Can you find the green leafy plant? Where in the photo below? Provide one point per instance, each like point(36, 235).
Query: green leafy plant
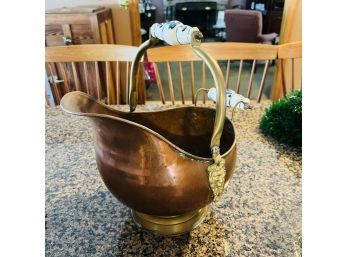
point(283, 120)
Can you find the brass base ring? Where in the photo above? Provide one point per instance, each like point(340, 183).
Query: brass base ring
point(171, 225)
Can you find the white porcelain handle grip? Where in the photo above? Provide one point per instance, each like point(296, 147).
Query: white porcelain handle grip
point(176, 33)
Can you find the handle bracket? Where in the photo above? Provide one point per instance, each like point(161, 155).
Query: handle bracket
point(54, 79)
point(67, 41)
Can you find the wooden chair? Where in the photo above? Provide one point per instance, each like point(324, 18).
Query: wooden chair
point(95, 69)
point(173, 58)
point(100, 70)
point(289, 62)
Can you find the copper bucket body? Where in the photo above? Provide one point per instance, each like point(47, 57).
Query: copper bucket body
point(155, 162)
point(167, 165)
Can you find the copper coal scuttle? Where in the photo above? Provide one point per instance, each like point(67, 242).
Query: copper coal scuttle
point(167, 172)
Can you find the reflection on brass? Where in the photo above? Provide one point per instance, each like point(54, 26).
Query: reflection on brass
point(172, 225)
point(166, 165)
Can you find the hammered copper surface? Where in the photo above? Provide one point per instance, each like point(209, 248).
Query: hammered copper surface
point(155, 162)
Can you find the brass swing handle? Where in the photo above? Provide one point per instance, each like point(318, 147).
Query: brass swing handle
point(175, 33)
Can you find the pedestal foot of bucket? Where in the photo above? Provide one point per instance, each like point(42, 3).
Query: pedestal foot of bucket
point(171, 225)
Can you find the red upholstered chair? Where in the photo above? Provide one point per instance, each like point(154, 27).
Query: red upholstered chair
point(246, 26)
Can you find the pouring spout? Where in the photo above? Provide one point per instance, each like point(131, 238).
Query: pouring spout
point(82, 104)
